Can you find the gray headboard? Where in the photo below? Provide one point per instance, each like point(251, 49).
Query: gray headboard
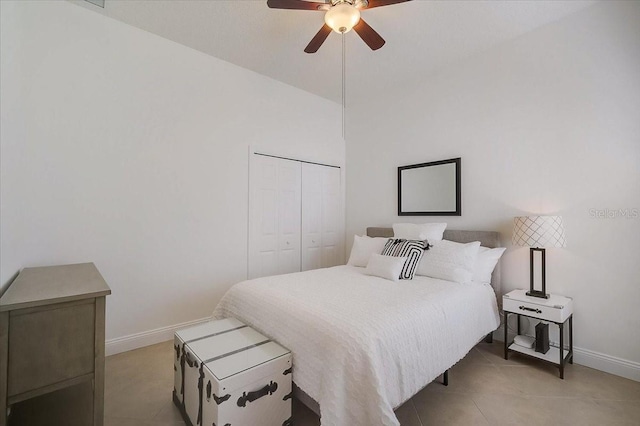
point(489, 239)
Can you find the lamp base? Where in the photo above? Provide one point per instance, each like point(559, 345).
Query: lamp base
point(538, 293)
point(532, 291)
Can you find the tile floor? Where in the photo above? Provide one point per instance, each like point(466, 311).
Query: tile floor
point(484, 389)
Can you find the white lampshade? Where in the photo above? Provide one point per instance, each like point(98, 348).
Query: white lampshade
point(539, 231)
point(342, 17)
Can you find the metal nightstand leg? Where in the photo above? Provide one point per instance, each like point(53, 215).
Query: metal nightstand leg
point(506, 345)
point(561, 366)
point(571, 339)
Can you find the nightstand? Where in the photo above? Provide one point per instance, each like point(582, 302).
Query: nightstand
point(556, 309)
point(52, 338)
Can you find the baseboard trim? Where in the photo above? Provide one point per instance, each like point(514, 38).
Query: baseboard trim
point(146, 338)
point(607, 363)
point(596, 360)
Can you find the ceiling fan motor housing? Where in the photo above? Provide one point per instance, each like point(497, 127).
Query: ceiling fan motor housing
point(342, 17)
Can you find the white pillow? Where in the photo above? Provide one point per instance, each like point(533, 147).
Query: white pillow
point(485, 263)
point(449, 261)
point(387, 267)
point(424, 231)
point(363, 248)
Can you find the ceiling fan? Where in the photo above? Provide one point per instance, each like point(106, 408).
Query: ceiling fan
point(341, 16)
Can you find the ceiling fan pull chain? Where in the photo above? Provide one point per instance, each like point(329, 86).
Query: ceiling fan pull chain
point(344, 78)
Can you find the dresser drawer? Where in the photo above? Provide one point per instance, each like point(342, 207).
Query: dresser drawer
point(47, 346)
point(557, 313)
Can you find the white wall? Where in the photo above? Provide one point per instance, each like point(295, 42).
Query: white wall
point(131, 151)
point(546, 124)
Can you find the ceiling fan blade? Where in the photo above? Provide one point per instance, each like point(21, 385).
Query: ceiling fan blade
point(318, 39)
point(295, 4)
point(378, 3)
point(369, 35)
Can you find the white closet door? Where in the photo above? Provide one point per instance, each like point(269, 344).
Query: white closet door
point(274, 216)
point(322, 217)
point(312, 177)
point(332, 218)
point(289, 187)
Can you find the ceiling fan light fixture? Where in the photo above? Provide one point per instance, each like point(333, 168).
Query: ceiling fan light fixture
point(342, 17)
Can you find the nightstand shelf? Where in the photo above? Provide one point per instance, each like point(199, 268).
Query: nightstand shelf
point(552, 356)
point(557, 310)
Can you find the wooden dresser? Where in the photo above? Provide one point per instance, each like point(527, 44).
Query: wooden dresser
point(52, 335)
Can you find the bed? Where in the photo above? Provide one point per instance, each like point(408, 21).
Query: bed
point(363, 345)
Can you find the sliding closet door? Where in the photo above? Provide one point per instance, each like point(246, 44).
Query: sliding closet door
point(289, 187)
point(332, 218)
point(311, 216)
point(322, 217)
point(274, 212)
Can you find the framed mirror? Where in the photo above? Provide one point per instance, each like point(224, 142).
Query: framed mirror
point(430, 189)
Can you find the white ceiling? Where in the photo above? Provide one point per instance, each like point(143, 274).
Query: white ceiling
point(421, 36)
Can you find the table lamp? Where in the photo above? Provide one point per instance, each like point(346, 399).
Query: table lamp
point(538, 233)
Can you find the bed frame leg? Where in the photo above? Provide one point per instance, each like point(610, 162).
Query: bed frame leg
point(489, 338)
point(445, 378)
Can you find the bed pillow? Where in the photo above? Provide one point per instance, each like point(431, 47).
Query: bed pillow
point(387, 267)
point(451, 261)
point(424, 231)
point(363, 248)
point(485, 263)
point(412, 250)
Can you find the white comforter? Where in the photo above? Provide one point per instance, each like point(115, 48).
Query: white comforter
point(363, 345)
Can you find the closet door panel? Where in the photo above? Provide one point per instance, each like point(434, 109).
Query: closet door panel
point(274, 216)
point(289, 215)
point(267, 244)
point(311, 216)
point(263, 232)
point(332, 218)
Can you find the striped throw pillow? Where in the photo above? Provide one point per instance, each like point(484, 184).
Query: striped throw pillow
point(411, 249)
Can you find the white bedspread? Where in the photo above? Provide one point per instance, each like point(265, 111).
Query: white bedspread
point(363, 345)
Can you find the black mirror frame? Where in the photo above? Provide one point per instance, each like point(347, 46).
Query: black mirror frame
point(458, 210)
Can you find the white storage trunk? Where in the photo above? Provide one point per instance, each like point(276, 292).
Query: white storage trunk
point(226, 373)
